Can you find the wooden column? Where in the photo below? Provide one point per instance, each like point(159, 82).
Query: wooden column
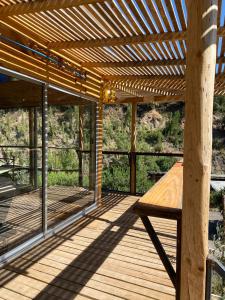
point(99, 144)
point(133, 149)
point(200, 75)
point(81, 143)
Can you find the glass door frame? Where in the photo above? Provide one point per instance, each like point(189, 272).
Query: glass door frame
point(47, 232)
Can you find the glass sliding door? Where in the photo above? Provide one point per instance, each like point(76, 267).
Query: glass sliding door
point(20, 161)
point(47, 160)
point(71, 155)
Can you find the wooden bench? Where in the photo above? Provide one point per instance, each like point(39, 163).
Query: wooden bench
point(164, 200)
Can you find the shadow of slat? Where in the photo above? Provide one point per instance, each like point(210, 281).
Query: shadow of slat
point(94, 259)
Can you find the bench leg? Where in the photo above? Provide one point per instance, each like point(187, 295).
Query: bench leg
point(178, 259)
point(159, 248)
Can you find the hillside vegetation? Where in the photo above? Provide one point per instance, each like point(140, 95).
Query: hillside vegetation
point(159, 129)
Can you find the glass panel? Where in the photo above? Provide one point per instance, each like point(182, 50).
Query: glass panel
point(71, 157)
point(20, 161)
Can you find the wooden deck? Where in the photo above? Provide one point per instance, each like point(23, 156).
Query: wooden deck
point(25, 212)
point(106, 255)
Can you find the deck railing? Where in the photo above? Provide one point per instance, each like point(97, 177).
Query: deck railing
point(131, 184)
point(130, 163)
point(133, 167)
point(32, 166)
point(26, 167)
point(9, 161)
point(214, 266)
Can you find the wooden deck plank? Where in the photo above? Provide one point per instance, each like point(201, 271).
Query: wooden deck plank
point(7, 294)
point(24, 215)
point(105, 255)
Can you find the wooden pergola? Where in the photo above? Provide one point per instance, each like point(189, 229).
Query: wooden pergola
point(133, 52)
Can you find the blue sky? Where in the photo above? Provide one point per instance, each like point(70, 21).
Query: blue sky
point(151, 30)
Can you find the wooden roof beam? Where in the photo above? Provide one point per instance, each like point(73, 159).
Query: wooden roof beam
point(146, 63)
point(178, 92)
point(148, 87)
point(155, 81)
point(219, 78)
point(42, 5)
point(144, 77)
point(143, 92)
point(169, 98)
point(117, 41)
point(150, 99)
point(125, 64)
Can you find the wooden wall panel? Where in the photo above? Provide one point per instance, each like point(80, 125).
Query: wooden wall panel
point(22, 62)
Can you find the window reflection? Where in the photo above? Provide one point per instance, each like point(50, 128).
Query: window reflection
point(71, 156)
point(71, 159)
point(20, 161)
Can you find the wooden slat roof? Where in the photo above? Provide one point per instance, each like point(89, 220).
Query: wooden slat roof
point(137, 45)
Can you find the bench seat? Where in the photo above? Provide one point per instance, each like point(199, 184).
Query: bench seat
point(164, 199)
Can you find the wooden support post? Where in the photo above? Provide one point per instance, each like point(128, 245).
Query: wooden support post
point(81, 143)
point(99, 144)
point(133, 150)
point(200, 77)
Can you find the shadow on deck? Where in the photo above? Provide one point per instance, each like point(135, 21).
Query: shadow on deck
point(21, 215)
point(105, 255)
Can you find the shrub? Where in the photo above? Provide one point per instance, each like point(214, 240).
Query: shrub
point(165, 163)
point(116, 174)
point(154, 137)
point(173, 130)
point(217, 144)
point(223, 122)
point(216, 199)
point(219, 104)
point(62, 178)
